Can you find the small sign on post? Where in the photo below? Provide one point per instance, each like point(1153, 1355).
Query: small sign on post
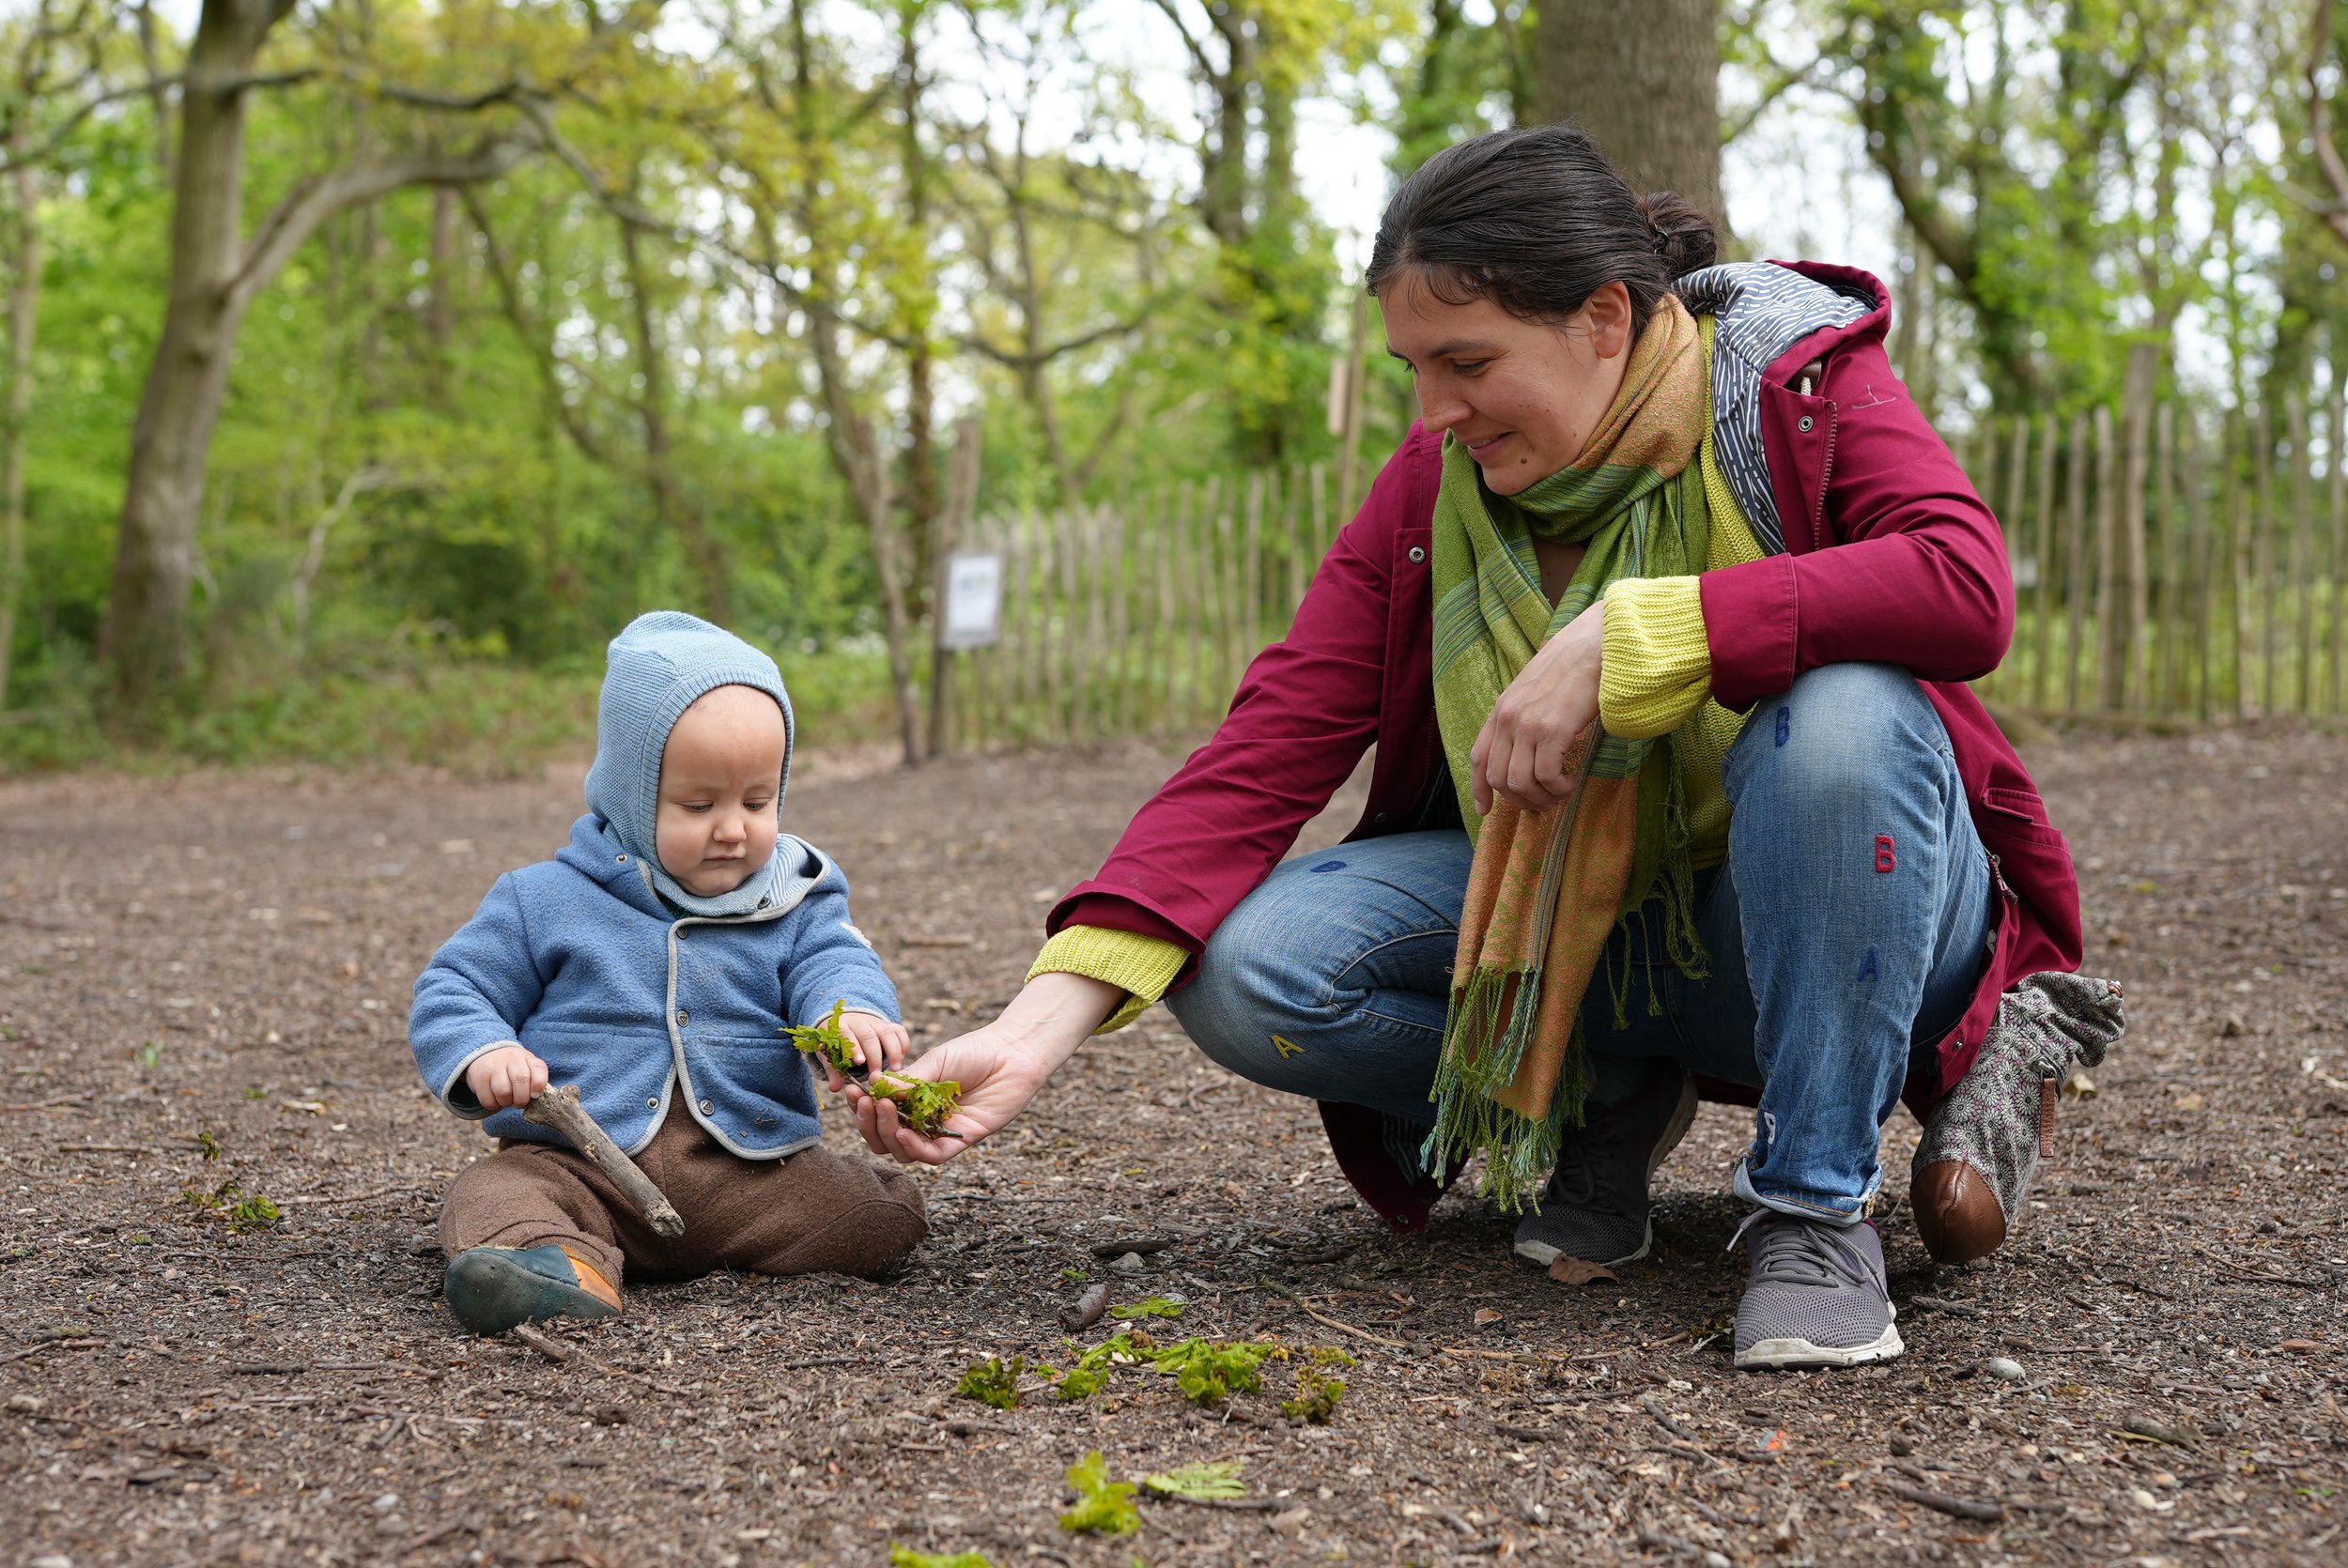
point(974, 600)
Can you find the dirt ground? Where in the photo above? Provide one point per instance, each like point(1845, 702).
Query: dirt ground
point(205, 981)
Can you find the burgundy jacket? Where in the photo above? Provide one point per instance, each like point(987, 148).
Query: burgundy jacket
point(1891, 557)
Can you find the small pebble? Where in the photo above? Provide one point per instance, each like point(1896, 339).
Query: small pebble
point(385, 1503)
point(1714, 1560)
point(1129, 1263)
point(53, 1560)
point(2004, 1369)
point(1902, 1447)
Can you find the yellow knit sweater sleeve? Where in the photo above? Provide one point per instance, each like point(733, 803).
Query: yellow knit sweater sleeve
point(1658, 667)
point(1143, 965)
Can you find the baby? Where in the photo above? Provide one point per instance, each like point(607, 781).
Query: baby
point(655, 963)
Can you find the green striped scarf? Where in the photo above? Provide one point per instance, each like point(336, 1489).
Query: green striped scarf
point(1549, 887)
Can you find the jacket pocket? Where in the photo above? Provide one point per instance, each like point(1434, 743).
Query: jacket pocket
point(2016, 815)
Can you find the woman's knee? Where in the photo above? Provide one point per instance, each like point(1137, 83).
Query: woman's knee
point(1840, 738)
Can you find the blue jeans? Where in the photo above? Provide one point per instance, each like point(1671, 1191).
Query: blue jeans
point(1850, 843)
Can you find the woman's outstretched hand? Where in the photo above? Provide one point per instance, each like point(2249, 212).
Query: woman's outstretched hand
point(998, 1065)
point(1520, 755)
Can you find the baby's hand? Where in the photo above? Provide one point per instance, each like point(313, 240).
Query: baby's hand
point(880, 1045)
point(507, 1076)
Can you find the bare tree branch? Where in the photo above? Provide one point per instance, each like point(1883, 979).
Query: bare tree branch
point(2319, 123)
point(315, 199)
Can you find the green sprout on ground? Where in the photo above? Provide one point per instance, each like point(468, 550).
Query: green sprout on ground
point(1104, 1507)
point(827, 1039)
point(993, 1381)
point(1211, 1370)
point(1316, 1392)
point(923, 1105)
point(905, 1557)
point(148, 1053)
point(1216, 1479)
point(1156, 1306)
point(207, 1145)
point(244, 1211)
point(1093, 1367)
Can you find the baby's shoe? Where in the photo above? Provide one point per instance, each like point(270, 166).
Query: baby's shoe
point(1983, 1143)
point(490, 1289)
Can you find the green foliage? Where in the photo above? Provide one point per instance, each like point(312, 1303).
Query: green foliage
point(1091, 1371)
point(1218, 1478)
point(827, 1040)
point(208, 1145)
point(147, 1054)
point(242, 1212)
point(993, 1381)
point(923, 1105)
point(1104, 1507)
point(1156, 1306)
point(1208, 1371)
point(905, 1557)
point(1317, 1396)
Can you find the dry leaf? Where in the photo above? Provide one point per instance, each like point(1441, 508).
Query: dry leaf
point(1572, 1271)
point(1484, 1315)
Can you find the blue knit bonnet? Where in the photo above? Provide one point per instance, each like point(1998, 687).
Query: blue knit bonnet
point(658, 667)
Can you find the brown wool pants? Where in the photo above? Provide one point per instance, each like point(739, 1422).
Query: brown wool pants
point(809, 1212)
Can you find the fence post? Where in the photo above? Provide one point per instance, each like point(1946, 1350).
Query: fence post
point(2164, 618)
point(2302, 547)
point(2042, 630)
point(2127, 636)
point(2263, 555)
point(2339, 543)
point(2199, 567)
point(2075, 562)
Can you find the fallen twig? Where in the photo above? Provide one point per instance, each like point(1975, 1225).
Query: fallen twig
point(1955, 1309)
point(1654, 1407)
point(560, 1109)
point(1326, 1320)
point(1958, 1508)
point(2159, 1432)
point(1230, 1505)
point(542, 1342)
point(355, 1197)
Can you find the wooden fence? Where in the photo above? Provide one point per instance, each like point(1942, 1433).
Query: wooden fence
point(2168, 562)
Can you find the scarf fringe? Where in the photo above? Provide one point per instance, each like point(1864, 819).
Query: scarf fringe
point(1518, 1151)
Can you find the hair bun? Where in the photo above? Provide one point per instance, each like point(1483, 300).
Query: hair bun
point(1680, 232)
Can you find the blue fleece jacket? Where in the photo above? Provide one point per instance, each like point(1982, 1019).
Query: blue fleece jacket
point(580, 961)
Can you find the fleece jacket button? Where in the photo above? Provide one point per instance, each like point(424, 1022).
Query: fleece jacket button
point(683, 1017)
point(652, 1104)
point(1804, 424)
point(1417, 554)
point(707, 1107)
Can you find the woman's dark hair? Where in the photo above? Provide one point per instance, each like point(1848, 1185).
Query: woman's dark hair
point(1534, 219)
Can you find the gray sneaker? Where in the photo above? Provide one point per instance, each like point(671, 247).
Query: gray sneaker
point(1595, 1205)
point(1815, 1295)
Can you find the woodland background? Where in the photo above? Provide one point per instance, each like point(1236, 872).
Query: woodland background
point(369, 362)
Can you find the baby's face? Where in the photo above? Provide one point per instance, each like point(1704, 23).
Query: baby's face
point(721, 777)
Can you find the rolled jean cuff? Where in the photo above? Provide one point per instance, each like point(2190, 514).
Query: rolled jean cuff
point(1842, 1212)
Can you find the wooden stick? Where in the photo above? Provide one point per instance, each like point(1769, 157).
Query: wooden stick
point(1326, 1320)
point(560, 1109)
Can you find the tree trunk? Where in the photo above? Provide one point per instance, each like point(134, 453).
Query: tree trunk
point(1645, 83)
point(144, 638)
point(857, 450)
point(675, 510)
point(24, 308)
point(215, 275)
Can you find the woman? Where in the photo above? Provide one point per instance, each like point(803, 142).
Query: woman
point(1658, 621)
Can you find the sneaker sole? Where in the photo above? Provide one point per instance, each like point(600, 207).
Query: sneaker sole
point(1545, 1254)
point(1782, 1353)
point(1683, 1117)
point(488, 1293)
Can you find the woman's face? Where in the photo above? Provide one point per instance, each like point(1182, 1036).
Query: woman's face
point(1521, 396)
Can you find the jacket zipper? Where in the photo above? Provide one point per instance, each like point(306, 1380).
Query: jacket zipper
point(1825, 477)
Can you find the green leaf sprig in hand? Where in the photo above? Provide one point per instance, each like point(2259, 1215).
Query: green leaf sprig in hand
point(923, 1105)
point(827, 1041)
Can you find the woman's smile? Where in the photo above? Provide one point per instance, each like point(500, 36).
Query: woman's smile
point(1483, 447)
